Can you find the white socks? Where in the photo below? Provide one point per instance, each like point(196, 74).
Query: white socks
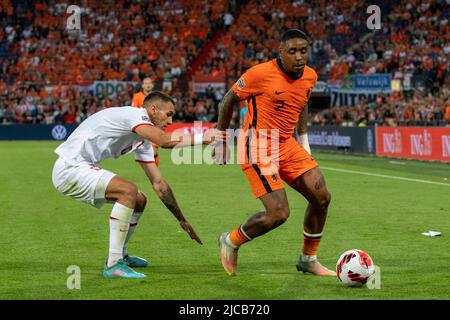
point(305, 258)
point(119, 224)
point(133, 224)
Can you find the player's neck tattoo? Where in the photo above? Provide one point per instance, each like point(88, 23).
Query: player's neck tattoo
point(291, 75)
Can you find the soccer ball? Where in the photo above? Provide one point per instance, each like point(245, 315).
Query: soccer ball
point(354, 268)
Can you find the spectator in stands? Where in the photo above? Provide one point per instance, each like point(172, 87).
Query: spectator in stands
point(447, 112)
point(146, 88)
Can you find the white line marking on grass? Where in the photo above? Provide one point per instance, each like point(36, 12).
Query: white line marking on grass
point(397, 162)
point(386, 176)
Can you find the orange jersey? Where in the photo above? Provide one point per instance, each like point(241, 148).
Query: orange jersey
point(138, 100)
point(275, 100)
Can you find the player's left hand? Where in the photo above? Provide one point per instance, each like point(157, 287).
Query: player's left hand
point(190, 231)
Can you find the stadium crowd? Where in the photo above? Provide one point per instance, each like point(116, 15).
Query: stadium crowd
point(390, 110)
point(332, 26)
point(413, 43)
point(43, 66)
point(118, 40)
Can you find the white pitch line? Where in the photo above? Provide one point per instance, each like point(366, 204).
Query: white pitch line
point(398, 162)
point(385, 176)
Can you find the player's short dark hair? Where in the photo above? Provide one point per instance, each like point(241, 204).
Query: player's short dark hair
point(294, 34)
point(158, 95)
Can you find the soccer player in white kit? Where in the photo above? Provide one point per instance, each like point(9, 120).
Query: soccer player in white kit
point(111, 133)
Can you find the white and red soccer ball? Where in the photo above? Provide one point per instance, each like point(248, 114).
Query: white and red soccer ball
point(354, 268)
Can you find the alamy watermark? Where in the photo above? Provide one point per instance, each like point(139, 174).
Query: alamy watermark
point(73, 23)
point(74, 278)
point(373, 22)
point(374, 281)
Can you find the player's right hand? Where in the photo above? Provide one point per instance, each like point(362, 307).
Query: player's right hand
point(190, 231)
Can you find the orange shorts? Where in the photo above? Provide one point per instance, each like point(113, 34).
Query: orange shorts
point(293, 161)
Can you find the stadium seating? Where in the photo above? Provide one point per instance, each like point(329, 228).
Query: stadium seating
point(172, 40)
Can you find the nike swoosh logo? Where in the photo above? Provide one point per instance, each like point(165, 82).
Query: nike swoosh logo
point(123, 230)
point(279, 92)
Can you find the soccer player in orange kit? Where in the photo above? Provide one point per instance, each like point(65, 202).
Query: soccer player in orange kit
point(138, 98)
point(277, 92)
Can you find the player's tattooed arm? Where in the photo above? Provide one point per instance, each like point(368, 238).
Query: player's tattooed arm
point(226, 109)
point(165, 193)
point(162, 189)
point(168, 198)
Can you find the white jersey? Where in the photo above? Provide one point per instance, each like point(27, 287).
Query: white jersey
point(108, 134)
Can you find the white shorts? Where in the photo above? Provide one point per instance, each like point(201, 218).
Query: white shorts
point(83, 182)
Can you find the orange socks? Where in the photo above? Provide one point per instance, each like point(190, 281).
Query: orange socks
point(238, 237)
point(310, 243)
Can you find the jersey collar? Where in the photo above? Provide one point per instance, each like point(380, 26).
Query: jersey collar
point(145, 114)
point(291, 75)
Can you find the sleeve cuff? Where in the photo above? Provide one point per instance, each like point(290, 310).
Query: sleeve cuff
point(140, 124)
point(142, 161)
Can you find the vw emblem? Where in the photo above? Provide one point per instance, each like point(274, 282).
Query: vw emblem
point(59, 132)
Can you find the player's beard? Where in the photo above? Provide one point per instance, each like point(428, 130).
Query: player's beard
point(158, 123)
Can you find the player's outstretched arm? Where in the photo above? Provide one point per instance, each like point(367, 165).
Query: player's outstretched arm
point(164, 192)
point(174, 140)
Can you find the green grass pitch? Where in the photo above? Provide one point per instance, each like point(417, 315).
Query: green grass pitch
point(44, 232)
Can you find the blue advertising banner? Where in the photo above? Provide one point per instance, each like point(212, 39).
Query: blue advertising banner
point(380, 82)
point(348, 139)
point(36, 131)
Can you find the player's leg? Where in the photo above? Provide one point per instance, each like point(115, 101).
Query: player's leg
point(269, 189)
point(301, 172)
point(134, 261)
point(312, 186)
point(125, 195)
point(276, 213)
point(94, 186)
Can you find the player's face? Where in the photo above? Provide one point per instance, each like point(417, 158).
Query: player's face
point(294, 54)
point(161, 114)
point(147, 85)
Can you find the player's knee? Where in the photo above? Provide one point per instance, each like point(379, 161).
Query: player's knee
point(141, 202)
point(130, 192)
point(324, 200)
point(280, 215)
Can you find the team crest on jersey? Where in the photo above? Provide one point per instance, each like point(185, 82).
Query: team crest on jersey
point(240, 83)
point(145, 118)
